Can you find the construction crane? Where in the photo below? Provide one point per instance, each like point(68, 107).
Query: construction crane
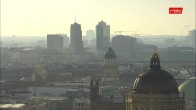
point(119, 32)
point(142, 34)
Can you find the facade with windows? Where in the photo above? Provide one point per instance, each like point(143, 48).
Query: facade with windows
point(110, 66)
point(81, 104)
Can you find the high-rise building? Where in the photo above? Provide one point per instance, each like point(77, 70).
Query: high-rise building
point(76, 44)
point(191, 39)
point(90, 34)
point(102, 36)
point(55, 41)
point(65, 41)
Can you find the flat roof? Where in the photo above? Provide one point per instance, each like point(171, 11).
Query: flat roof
point(11, 105)
point(17, 105)
point(6, 105)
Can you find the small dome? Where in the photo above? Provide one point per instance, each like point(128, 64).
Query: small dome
point(155, 80)
point(110, 54)
point(188, 87)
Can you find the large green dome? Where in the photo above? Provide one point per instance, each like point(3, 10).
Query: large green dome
point(188, 87)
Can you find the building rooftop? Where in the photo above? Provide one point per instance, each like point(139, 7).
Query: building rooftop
point(50, 98)
point(6, 106)
point(17, 105)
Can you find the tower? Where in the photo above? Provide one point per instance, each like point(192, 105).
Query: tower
point(94, 94)
point(76, 44)
point(110, 66)
point(102, 36)
point(155, 89)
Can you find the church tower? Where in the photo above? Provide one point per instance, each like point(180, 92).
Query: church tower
point(110, 66)
point(94, 94)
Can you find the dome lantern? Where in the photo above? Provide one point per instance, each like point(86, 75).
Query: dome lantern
point(155, 80)
point(155, 61)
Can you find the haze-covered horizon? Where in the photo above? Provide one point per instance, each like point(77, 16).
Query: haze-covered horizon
point(111, 36)
point(39, 18)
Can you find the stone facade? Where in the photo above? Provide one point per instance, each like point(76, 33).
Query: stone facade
point(110, 66)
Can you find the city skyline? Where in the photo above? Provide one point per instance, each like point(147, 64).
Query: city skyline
point(32, 18)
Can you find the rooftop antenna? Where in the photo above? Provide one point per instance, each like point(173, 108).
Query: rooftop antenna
point(75, 19)
point(155, 50)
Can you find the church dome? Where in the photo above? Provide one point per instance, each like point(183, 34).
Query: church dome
point(110, 54)
point(155, 80)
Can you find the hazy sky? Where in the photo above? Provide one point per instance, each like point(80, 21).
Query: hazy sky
point(41, 17)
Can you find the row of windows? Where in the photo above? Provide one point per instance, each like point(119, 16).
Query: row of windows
point(158, 100)
point(81, 109)
point(81, 104)
point(160, 108)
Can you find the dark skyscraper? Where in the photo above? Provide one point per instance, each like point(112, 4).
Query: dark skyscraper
point(55, 41)
point(76, 44)
point(102, 36)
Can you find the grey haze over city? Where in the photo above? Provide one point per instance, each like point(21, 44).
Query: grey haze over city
point(97, 55)
point(98, 70)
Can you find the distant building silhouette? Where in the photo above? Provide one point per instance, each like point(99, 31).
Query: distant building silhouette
point(191, 39)
point(90, 34)
point(76, 44)
point(55, 41)
point(102, 36)
point(65, 41)
point(124, 46)
point(110, 66)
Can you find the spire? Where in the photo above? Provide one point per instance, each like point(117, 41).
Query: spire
point(110, 54)
point(75, 19)
point(155, 61)
point(91, 84)
point(97, 82)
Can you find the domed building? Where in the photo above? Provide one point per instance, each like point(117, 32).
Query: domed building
point(110, 66)
point(155, 89)
point(188, 88)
